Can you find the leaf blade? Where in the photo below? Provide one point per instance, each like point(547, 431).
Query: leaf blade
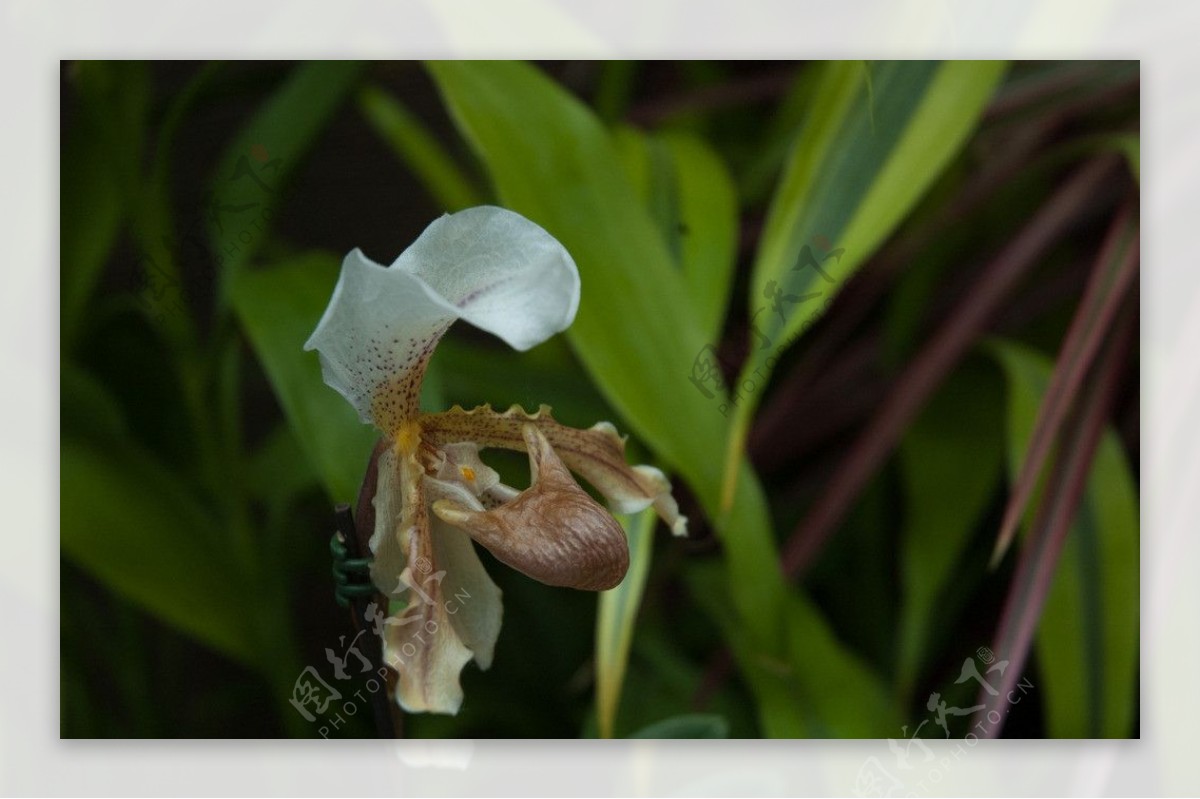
point(1087, 636)
point(278, 309)
point(692, 725)
point(616, 618)
point(131, 524)
point(263, 154)
point(944, 500)
point(1112, 275)
point(867, 152)
point(551, 160)
point(418, 149)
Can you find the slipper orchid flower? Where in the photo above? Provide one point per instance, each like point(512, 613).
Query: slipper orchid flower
point(434, 495)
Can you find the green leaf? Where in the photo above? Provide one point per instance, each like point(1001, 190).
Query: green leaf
point(1087, 639)
point(91, 211)
point(260, 158)
point(418, 150)
point(157, 237)
point(135, 527)
point(875, 139)
point(847, 698)
point(759, 175)
point(636, 332)
point(951, 460)
point(616, 619)
point(694, 725)
point(279, 469)
point(1114, 272)
point(615, 88)
point(690, 194)
point(115, 97)
point(474, 373)
point(1131, 145)
point(87, 409)
point(279, 308)
point(821, 689)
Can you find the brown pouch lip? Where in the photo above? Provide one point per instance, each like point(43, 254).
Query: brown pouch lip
point(553, 532)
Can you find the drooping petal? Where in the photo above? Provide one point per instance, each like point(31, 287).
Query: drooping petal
point(596, 454)
point(472, 600)
point(553, 532)
point(490, 266)
point(390, 555)
point(428, 656)
point(423, 643)
point(469, 597)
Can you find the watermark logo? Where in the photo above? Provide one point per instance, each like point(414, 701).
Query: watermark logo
point(328, 701)
point(705, 374)
point(157, 290)
point(915, 768)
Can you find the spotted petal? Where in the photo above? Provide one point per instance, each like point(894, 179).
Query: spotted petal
point(489, 266)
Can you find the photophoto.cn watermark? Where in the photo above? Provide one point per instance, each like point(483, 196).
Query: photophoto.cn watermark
point(914, 769)
point(160, 292)
point(328, 702)
point(706, 369)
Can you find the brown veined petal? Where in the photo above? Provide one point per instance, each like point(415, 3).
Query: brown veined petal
point(553, 532)
point(423, 647)
point(422, 643)
point(596, 454)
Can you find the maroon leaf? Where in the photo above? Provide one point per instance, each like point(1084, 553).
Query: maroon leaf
point(965, 325)
point(1039, 555)
point(1111, 277)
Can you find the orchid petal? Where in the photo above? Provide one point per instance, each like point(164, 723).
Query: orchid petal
point(390, 557)
point(498, 271)
point(470, 598)
point(453, 608)
point(424, 643)
point(428, 663)
point(596, 454)
point(489, 266)
point(461, 463)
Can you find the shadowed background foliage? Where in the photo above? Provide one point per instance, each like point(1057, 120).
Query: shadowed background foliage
point(877, 320)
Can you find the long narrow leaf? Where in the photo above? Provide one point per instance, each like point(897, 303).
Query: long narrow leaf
point(1109, 597)
point(279, 308)
point(951, 458)
point(819, 690)
point(877, 136)
point(937, 357)
point(91, 211)
point(258, 161)
point(1087, 636)
point(616, 619)
point(419, 150)
point(1112, 275)
point(636, 331)
point(690, 194)
point(136, 528)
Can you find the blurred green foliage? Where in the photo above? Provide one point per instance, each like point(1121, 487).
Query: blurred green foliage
point(205, 208)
